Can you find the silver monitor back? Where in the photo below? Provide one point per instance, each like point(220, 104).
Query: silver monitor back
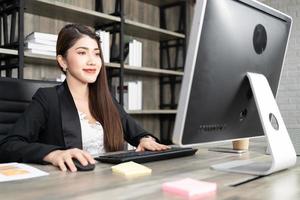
point(228, 39)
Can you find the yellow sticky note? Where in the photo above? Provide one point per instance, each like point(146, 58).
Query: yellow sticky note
point(131, 169)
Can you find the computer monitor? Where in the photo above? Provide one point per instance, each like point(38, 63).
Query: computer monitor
point(233, 65)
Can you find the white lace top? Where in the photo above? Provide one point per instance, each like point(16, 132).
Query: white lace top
point(92, 136)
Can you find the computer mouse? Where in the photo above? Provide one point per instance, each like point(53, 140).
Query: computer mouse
point(81, 167)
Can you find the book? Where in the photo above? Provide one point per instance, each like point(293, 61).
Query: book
point(61, 78)
point(41, 52)
point(131, 169)
point(41, 36)
point(189, 188)
point(130, 147)
point(105, 44)
point(42, 41)
point(140, 53)
point(37, 46)
point(135, 53)
point(139, 103)
point(125, 94)
point(131, 54)
point(18, 171)
point(132, 95)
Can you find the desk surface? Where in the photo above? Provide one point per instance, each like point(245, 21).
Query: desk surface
point(102, 184)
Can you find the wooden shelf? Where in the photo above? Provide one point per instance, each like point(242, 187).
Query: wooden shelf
point(70, 13)
point(138, 29)
point(152, 71)
point(50, 60)
point(161, 2)
point(146, 70)
point(151, 112)
point(39, 59)
point(8, 51)
point(67, 12)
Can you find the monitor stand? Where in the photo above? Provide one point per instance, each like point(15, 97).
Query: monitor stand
point(282, 151)
point(227, 150)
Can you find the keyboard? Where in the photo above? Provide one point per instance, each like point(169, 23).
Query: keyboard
point(146, 156)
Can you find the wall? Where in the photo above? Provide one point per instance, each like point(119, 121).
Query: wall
point(288, 96)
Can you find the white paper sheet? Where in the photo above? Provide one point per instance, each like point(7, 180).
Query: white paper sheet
point(18, 171)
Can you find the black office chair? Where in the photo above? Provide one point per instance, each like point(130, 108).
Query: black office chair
point(15, 96)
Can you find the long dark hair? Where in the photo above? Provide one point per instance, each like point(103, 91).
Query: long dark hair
point(101, 103)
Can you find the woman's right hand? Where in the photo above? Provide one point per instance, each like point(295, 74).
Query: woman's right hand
point(63, 158)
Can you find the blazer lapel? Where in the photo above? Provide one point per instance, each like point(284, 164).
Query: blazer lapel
point(69, 116)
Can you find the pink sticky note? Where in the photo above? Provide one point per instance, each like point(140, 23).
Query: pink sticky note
point(190, 188)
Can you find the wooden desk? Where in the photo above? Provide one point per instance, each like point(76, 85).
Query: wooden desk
point(102, 184)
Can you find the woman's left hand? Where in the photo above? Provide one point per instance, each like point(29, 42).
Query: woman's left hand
point(149, 143)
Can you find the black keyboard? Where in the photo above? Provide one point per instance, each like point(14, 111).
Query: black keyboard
point(146, 156)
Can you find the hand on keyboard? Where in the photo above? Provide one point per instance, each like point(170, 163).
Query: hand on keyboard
point(149, 143)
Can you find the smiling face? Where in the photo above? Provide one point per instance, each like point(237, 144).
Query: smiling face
point(82, 61)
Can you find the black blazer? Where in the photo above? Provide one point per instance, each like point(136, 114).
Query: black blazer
point(51, 122)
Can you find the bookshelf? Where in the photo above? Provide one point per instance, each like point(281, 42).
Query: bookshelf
point(149, 32)
point(57, 13)
point(45, 59)
point(92, 18)
point(161, 2)
point(68, 12)
point(8, 51)
point(151, 112)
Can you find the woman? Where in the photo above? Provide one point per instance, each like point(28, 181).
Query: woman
point(77, 119)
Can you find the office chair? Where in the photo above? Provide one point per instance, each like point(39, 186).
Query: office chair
point(15, 96)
